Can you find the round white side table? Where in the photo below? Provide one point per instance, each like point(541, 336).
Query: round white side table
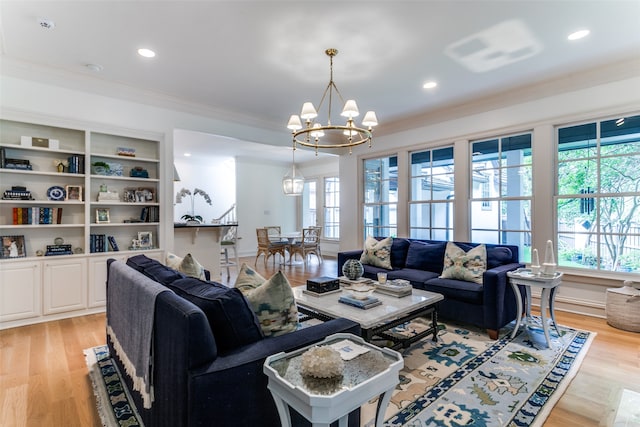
point(548, 284)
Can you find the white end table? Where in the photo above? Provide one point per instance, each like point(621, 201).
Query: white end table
point(548, 284)
point(323, 401)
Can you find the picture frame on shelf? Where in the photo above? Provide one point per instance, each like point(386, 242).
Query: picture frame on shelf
point(73, 192)
point(129, 195)
point(13, 247)
point(146, 239)
point(102, 216)
point(145, 195)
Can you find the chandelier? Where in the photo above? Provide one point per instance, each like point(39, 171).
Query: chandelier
point(316, 135)
point(293, 181)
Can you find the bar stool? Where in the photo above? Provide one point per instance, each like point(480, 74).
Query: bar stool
point(229, 241)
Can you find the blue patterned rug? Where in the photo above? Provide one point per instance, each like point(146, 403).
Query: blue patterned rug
point(465, 379)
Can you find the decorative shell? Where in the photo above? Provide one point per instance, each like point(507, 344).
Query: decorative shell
point(321, 362)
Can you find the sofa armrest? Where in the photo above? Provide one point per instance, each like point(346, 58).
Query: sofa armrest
point(344, 256)
point(218, 389)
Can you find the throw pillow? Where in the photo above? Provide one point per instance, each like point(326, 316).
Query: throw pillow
point(377, 253)
point(468, 266)
point(274, 305)
point(230, 316)
point(426, 256)
point(187, 265)
point(248, 278)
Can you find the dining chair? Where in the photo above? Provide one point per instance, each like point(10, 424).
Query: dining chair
point(308, 244)
point(267, 247)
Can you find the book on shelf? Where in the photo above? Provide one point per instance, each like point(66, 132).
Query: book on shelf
point(364, 304)
point(36, 215)
point(113, 244)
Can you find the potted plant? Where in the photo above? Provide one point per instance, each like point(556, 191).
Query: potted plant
point(192, 218)
point(100, 168)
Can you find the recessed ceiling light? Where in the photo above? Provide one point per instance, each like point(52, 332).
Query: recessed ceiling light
point(187, 154)
point(96, 68)
point(47, 24)
point(430, 85)
point(147, 53)
point(578, 35)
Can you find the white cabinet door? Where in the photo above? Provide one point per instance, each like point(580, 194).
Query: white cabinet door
point(98, 279)
point(20, 290)
point(65, 285)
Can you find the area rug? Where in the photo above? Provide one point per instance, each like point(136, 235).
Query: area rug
point(466, 379)
point(115, 405)
point(463, 379)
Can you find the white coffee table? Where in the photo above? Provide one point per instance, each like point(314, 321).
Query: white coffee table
point(548, 284)
point(392, 312)
point(322, 401)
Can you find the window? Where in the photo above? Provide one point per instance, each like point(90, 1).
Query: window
point(501, 192)
point(431, 202)
point(309, 212)
point(381, 196)
point(598, 195)
point(332, 208)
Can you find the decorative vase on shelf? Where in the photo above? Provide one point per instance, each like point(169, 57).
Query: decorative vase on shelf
point(352, 269)
point(60, 167)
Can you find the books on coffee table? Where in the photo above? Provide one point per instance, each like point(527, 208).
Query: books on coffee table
point(395, 288)
point(364, 304)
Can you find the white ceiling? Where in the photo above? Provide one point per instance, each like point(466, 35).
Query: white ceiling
point(258, 61)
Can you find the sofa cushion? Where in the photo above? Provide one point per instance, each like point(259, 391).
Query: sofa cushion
point(230, 316)
point(377, 253)
point(426, 256)
point(456, 290)
point(416, 277)
point(464, 265)
point(272, 300)
point(399, 249)
point(187, 265)
point(498, 255)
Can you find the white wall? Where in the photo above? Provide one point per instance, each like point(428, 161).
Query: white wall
point(578, 293)
point(261, 201)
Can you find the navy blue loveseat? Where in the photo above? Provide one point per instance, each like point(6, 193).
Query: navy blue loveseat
point(489, 305)
point(204, 374)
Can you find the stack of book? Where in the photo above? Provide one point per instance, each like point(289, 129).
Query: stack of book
point(364, 304)
point(17, 193)
point(397, 288)
point(58, 250)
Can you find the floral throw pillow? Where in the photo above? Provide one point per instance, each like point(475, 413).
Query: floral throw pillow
point(461, 265)
point(377, 253)
point(271, 300)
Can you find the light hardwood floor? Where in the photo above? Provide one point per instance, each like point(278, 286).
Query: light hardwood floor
point(44, 381)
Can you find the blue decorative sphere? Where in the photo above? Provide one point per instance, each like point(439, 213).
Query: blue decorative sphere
point(352, 269)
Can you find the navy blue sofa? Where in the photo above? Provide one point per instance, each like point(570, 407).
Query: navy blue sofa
point(198, 379)
point(489, 305)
